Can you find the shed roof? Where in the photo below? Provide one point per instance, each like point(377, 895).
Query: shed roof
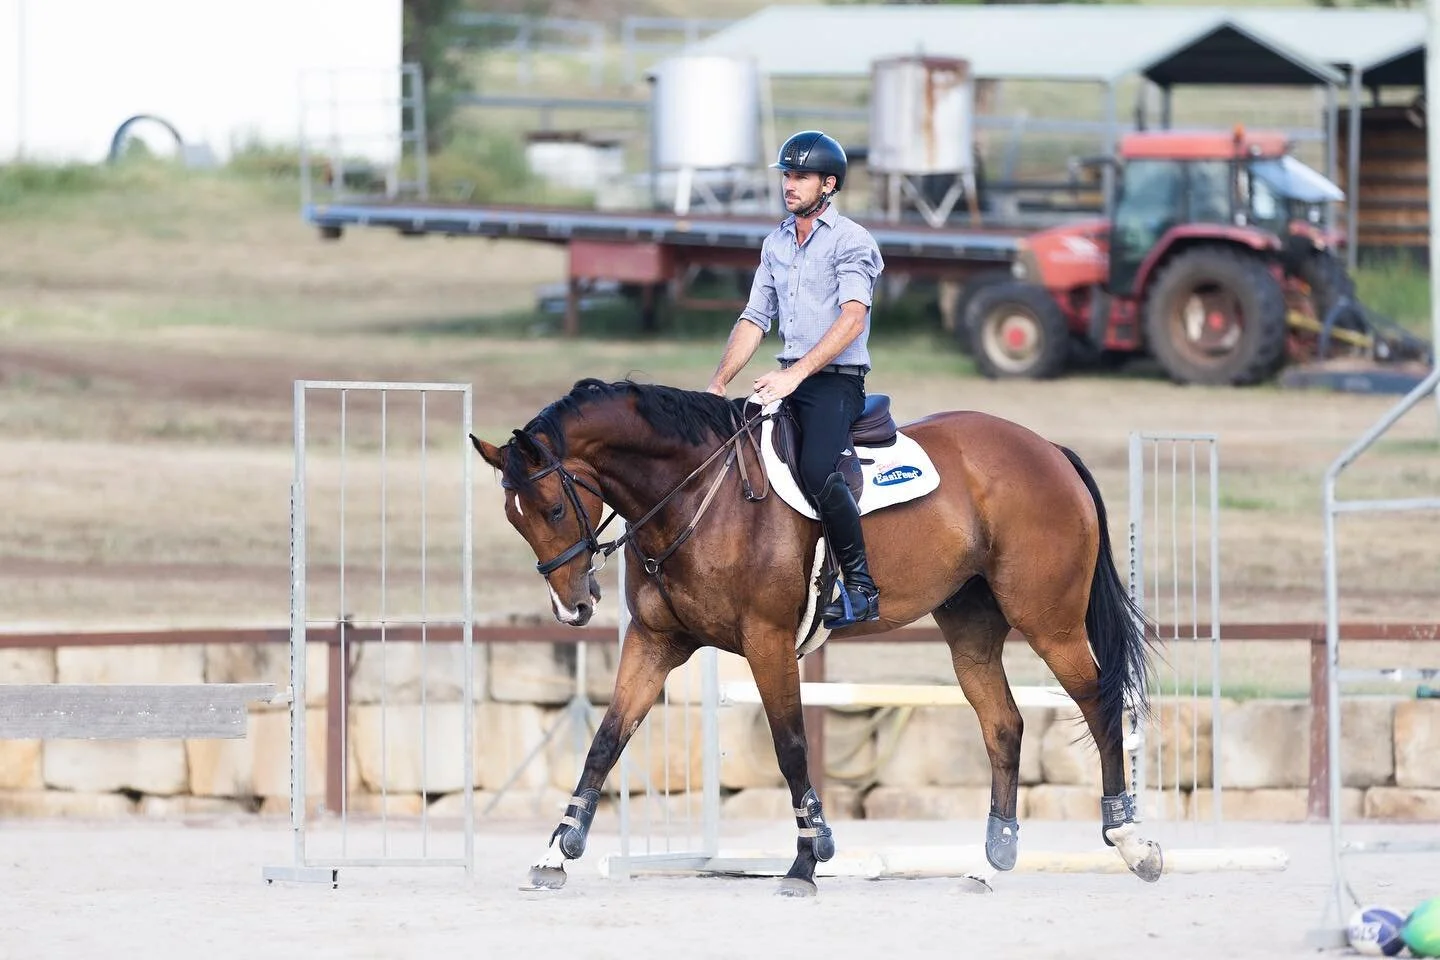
point(1067, 43)
point(1344, 38)
point(1232, 52)
point(1202, 44)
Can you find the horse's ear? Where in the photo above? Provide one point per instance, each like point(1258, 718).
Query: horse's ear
point(488, 451)
point(528, 446)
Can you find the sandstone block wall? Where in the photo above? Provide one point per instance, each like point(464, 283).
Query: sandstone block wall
point(927, 762)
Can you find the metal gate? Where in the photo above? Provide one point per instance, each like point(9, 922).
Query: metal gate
point(389, 610)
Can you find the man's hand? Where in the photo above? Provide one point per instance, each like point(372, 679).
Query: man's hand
point(716, 387)
point(777, 384)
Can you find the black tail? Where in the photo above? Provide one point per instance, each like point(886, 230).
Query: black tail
point(1116, 625)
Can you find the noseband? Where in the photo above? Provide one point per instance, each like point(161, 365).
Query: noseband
point(591, 540)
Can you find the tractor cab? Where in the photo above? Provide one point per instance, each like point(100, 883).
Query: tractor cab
point(1197, 181)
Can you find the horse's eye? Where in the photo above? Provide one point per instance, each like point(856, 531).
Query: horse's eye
point(556, 512)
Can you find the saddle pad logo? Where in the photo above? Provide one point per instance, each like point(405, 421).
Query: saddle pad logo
point(894, 475)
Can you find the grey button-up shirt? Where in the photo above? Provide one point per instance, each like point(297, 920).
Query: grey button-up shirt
point(802, 287)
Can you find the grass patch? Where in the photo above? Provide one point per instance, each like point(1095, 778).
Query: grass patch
point(1396, 288)
point(1231, 501)
point(1412, 447)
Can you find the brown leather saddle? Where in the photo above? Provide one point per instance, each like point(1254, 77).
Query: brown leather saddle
point(875, 427)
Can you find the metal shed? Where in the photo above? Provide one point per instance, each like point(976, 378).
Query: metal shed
point(1373, 49)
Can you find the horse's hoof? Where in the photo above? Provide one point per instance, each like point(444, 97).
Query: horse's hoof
point(546, 878)
point(795, 887)
point(973, 884)
point(1152, 866)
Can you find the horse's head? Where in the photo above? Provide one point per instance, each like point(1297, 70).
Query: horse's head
point(555, 507)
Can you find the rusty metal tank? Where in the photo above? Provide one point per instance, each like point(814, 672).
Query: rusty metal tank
point(922, 116)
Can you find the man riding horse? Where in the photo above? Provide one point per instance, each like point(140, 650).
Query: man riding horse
point(816, 279)
point(1016, 539)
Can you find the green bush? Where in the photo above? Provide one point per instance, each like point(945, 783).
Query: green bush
point(479, 166)
point(20, 182)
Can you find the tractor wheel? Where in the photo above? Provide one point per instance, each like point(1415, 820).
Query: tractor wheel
point(1017, 331)
point(1216, 315)
point(966, 296)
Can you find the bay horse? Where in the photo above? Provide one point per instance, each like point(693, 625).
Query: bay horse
point(1014, 536)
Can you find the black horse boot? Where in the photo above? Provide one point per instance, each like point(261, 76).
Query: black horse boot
point(859, 598)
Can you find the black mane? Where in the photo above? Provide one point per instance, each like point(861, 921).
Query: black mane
point(694, 417)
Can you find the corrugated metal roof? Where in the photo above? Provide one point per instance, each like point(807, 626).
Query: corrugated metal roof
point(1084, 43)
point(1066, 43)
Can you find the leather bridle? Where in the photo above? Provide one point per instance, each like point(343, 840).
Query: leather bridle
point(590, 540)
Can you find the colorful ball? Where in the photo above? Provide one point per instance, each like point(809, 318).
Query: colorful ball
point(1375, 931)
point(1421, 930)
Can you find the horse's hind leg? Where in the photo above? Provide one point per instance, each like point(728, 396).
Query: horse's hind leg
point(975, 629)
point(1067, 653)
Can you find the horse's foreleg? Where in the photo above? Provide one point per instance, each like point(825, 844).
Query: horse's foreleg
point(777, 678)
point(646, 659)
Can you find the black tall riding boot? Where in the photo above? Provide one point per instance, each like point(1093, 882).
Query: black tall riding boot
point(841, 519)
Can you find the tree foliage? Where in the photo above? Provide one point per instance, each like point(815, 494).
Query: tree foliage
point(427, 41)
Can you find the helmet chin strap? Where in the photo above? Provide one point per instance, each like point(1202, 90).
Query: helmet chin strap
point(815, 207)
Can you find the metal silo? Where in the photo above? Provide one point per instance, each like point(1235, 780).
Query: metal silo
point(705, 117)
point(922, 125)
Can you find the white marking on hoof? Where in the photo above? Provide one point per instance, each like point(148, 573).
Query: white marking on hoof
point(553, 859)
point(1142, 856)
point(548, 873)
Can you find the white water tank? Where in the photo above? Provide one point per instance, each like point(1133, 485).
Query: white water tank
point(922, 116)
point(706, 113)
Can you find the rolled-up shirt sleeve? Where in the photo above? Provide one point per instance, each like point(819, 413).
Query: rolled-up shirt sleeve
point(763, 306)
point(857, 265)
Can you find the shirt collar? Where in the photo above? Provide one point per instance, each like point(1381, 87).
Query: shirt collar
point(827, 217)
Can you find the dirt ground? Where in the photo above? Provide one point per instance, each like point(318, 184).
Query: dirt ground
point(197, 886)
point(148, 349)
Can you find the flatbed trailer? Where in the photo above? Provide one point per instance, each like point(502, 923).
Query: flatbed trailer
point(652, 249)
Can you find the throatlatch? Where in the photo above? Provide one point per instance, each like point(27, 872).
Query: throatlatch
point(811, 821)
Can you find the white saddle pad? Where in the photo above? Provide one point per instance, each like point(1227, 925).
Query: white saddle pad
point(893, 474)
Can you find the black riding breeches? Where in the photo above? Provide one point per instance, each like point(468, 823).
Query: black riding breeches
point(826, 406)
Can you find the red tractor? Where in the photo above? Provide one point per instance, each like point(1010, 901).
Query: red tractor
point(1213, 260)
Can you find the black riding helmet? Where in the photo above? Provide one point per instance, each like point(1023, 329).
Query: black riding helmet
point(811, 151)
